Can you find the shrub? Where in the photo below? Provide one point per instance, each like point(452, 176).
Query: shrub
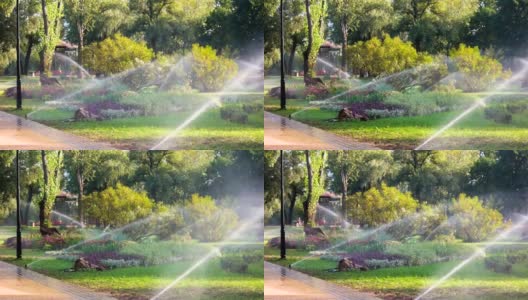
point(377, 57)
point(234, 114)
point(499, 114)
point(210, 222)
point(164, 225)
point(209, 71)
point(384, 263)
point(417, 103)
point(118, 206)
point(120, 263)
point(96, 246)
point(424, 224)
point(474, 222)
point(116, 54)
point(157, 253)
point(381, 205)
point(498, 263)
point(479, 71)
point(235, 264)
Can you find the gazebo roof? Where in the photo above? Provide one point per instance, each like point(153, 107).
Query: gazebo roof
point(65, 45)
point(330, 45)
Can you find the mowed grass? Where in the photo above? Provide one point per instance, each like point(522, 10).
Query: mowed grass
point(208, 131)
point(472, 132)
point(208, 281)
point(473, 281)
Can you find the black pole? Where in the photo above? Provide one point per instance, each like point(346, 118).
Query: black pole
point(282, 233)
point(282, 83)
point(18, 82)
point(19, 232)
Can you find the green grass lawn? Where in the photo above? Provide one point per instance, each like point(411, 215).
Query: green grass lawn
point(208, 281)
point(474, 281)
point(472, 132)
point(208, 131)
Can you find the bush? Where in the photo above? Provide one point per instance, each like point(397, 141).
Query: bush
point(417, 103)
point(474, 222)
point(210, 223)
point(164, 225)
point(498, 263)
point(209, 71)
point(426, 224)
point(234, 114)
point(380, 206)
point(118, 206)
point(479, 71)
point(235, 264)
point(116, 54)
point(376, 57)
point(157, 253)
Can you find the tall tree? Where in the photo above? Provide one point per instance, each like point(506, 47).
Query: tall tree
point(82, 166)
point(315, 27)
point(315, 183)
point(52, 162)
point(51, 11)
point(81, 15)
point(346, 14)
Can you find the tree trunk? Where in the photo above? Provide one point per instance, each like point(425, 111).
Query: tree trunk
point(27, 59)
point(309, 216)
point(344, 30)
point(44, 60)
point(28, 204)
point(292, 57)
point(293, 199)
point(80, 29)
point(308, 50)
point(80, 204)
point(344, 190)
point(43, 211)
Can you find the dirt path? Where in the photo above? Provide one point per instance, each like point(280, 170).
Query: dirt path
point(285, 284)
point(21, 284)
point(21, 134)
point(281, 133)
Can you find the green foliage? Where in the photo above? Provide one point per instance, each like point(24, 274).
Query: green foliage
point(118, 206)
point(382, 205)
point(422, 253)
point(211, 72)
point(377, 57)
point(479, 71)
point(315, 182)
point(116, 54)
point(417, 103)
point(165, 252)
point(209, 223)
point(165, 225)
point(474, 221)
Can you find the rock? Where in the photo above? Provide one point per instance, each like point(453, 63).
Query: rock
point(348, 114)
point(11, 92)
point(314, 231)
point(275, 243)
point(347, 264)
point(82, 114)
point(276, 93)
point(49, 231)
point(313, 81)
point(44, 80)
point(83, 264)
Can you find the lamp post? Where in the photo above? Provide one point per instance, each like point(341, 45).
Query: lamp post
point(282, 232)
point(18, 231)
point(18, 82)
point(282, 82)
